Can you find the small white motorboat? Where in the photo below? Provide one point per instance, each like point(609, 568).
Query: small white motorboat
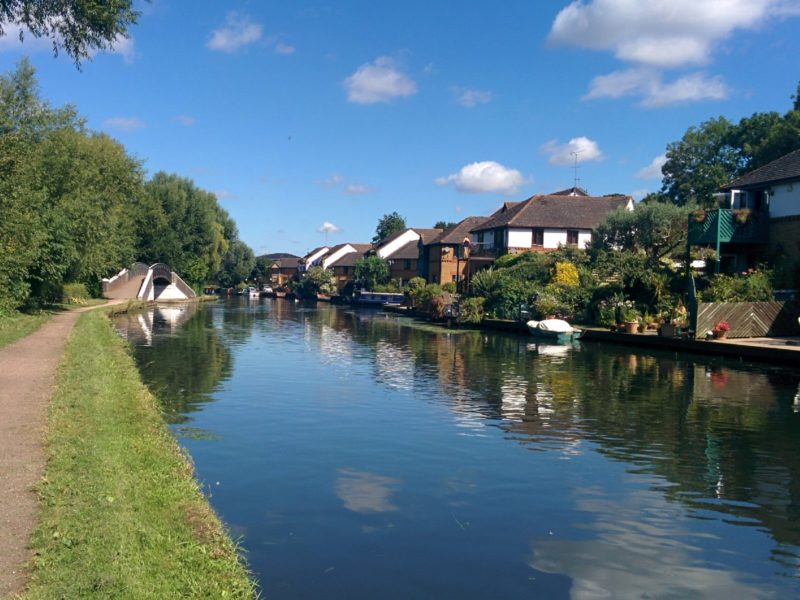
point(553, 329)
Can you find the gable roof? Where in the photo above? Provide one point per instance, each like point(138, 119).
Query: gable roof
point(350, 259)
point(556, 211)
point(314, 251)
point(408, 252)
point(426, 235)
point(573, 191)
point(784, 168)
point(457, 233)
point(287, 262)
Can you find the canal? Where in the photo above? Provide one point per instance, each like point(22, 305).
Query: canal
point(362, 455)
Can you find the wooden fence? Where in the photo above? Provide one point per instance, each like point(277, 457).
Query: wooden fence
point(750, 319)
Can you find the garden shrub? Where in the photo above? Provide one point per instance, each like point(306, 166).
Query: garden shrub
point(472, 310)
point(75, 293)
point(566, 274)
point(753, 285)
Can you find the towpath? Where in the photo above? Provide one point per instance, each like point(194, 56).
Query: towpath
point(27, 377)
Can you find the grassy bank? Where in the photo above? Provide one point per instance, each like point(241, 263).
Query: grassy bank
point(17, 325)
point(122, 515)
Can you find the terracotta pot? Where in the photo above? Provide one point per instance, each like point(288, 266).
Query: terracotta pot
point(720, 335)
point(631, 327)
point(667, 330)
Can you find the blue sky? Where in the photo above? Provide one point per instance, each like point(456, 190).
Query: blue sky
point(310, 121)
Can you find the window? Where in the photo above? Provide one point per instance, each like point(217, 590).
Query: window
point(408, 265)
point(538, 236)
point(572, 237)
point(498, 238)
point(479, 237)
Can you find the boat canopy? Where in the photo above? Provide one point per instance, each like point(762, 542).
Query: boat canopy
point(553, 325)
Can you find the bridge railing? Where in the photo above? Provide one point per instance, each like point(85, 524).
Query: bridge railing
point(147, 287)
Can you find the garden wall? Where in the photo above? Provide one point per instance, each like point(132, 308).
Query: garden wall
point(750, 319)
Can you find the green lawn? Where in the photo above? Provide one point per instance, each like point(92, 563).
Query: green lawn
point(17, 325)
point(122, 515)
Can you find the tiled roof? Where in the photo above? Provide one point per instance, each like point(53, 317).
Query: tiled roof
point(554, 211)
point(314, 251)
point(427, 234)
point(786, 167)
point(349, 259)
point(457, 233)
point(408, 252)
point(573, 191)
point(287, 262)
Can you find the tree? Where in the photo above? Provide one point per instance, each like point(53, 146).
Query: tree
point(700, 163)
point(80, 27)
point(371, 271)
point(316, 280)
point(388, 225)
point(237, 264)
point(444, 224)
point(655, 230)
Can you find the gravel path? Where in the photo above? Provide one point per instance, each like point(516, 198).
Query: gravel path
point(27, 376)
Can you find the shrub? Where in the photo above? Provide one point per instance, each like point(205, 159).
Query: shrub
point(416, 283)
point(472, 310)
point(449, 287)
point(75, 293)
point(751, 286)
point(566, 274)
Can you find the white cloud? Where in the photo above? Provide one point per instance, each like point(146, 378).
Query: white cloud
point(285, 49)
point(185, 120)
point(124, 46)
point(639, 194)
point(124, 123)
point(10, 39)
point(239, 31)
point(564, 154)
point(485, 176)
point(471, 98)
point(661, 33)
point(332, 181)
point(378, 81)
point(653, 170)
point(649, 85)
point(327, 227)
point(358, 189)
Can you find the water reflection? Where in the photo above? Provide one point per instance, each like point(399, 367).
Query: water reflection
point(654, 471)
point(364, 492)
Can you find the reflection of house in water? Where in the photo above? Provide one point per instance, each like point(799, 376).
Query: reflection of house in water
point(138, 326)
point(394, 365)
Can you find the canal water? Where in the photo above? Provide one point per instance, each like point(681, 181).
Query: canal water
point(357, 454)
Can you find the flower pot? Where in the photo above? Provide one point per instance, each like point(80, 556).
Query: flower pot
point(631, 327)
point(667, 330)
point(720, 335)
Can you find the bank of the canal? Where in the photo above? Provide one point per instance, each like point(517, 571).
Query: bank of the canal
point(121, 513)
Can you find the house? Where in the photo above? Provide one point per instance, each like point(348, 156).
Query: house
point(444, 258)
point(312, 257)
point(337, 252)
point(403, 251)
point(344, 263)
point(283, 267)
point(759, 216)
point(544, 222)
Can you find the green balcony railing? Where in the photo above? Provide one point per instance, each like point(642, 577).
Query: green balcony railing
point(723, 226)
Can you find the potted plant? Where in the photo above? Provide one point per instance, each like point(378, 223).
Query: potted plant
point(721, 330)
point(742, 215)
point(699, 216)
point(630, 317)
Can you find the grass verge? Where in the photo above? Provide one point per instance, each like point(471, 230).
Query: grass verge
point(121, 513)
point(17, 325)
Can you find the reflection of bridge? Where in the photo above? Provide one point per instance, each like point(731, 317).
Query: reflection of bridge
point(151, 283)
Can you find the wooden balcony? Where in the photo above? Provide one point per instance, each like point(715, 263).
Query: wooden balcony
point(724, 226)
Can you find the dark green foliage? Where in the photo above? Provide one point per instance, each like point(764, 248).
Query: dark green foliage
point(315, 281)
point(388, 225)
point(471, 310)
point(751, 286)
point(444, 224)
point(75, 207)
point(655, 230)
point(371, 272)
point(718, 151)
point(80, 27)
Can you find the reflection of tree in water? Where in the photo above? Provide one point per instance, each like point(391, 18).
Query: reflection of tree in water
point(182, 370)
point(724, 439)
